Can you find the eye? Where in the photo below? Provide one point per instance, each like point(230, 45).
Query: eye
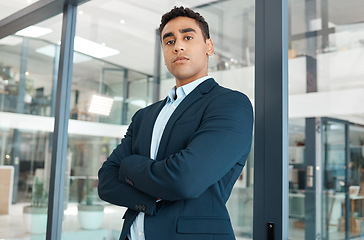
point(169, 42)
point(188, 38)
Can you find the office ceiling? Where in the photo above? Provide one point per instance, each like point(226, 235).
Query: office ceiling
point(129, 26)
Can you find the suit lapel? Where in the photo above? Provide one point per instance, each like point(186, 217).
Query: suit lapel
point(148, 125)
point(191, 98)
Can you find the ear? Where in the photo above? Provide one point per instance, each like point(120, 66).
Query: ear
point(210, 47)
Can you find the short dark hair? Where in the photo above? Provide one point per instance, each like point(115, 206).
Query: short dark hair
point(185, 12)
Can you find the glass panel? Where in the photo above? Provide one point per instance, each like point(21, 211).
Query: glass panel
point(356, 179)
point(325, 80)
point(232, 25)
point(104, 63)
point(296, 178)
point(40, 82)
point(86, 154)
point(112, 68)
point(334, 193)
point(27, 86)
point(98, 95)
point(10, 7)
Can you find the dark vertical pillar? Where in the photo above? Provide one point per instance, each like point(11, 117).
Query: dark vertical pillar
point(311, 48)
point(54, 89)
point(54, 79)
point(15, 151)
point(245, 40)
point(289, 13)
point(310, 131)
point(325, 24)
point(347, 183)
point(102, 79)
point(22, 80)
point(157, 67)
point(15, 161)
point(59, 150)
point(124, 109)
point(101, 90)
point(310, 183)
point(271, 121)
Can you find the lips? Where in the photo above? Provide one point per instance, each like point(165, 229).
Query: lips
point(180, 59)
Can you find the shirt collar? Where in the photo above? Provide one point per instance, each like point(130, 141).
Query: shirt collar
point(184, 90)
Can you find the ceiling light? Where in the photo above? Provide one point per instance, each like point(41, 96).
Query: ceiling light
point(29, 1)
point(33, 31)
point(50, 51)
point(122, 21)
point(11, 40)
point(26, 73)
point(80, 12)
point(100, 105)
point(92, 48)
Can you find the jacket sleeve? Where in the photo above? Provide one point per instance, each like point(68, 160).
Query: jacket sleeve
point(112, 190)
point(222, 140)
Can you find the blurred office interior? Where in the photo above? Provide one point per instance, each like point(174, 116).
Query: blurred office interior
point(116, 62)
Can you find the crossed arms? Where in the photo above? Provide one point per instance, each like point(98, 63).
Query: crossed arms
point(222, 140)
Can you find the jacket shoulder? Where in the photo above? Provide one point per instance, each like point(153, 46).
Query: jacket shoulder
point(228, 94)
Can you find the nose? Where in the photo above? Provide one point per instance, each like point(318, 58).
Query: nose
point(178, 46)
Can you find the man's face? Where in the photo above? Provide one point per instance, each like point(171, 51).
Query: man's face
point(185, 50)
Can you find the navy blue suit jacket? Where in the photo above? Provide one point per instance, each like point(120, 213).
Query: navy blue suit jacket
point(202, 152)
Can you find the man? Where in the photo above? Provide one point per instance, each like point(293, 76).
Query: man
point(176, 166)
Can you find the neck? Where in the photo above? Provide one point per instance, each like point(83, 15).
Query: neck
point(181, 82)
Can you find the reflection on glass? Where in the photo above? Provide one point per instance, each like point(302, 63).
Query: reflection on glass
point(27, 94)
point(335, 195)
point(296, 178)
point(25, 86)
point(99, 86)
point(325, 65)
point(27, 153)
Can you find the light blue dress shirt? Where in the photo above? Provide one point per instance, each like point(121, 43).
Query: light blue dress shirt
point(175, 97)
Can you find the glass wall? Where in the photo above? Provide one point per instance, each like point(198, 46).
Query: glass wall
point(110, 82)
point(27, 91)
point(326, 119)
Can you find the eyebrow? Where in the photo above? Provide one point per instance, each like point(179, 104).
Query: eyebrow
point(170, 34)
point(185, 30)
